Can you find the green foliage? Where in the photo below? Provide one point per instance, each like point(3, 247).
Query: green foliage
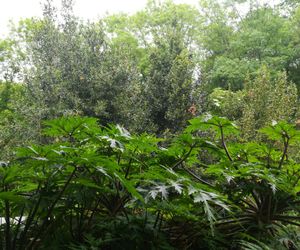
point(89, 173)
point(240, 45)
point(16, 115)
point(92, 185)
point(80, 182)
point(260, 103)
point(267, 101)
point(163, 35)
point(226, 103)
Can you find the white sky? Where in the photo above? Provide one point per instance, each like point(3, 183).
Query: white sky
point(87, 9)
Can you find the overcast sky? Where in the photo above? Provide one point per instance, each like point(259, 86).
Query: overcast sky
point(88, 9)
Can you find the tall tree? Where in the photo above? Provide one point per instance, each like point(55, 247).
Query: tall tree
point(76, 69)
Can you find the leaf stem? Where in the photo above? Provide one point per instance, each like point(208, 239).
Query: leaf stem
point(286, 145)
point(224, 143)
point(45, 222)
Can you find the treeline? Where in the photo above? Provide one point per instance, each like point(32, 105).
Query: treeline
point(170, 70)
point(153, 70)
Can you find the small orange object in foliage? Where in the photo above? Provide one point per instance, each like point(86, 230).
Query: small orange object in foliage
point(192, 109)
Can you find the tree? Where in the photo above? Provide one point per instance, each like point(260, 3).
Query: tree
point(262, 37)
point(168, 71)
point(263, 100)
point(267, 101)
point(75, 69)
point(20, 119)
point(168, 85)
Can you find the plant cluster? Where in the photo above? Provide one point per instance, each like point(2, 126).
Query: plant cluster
point(94, 187)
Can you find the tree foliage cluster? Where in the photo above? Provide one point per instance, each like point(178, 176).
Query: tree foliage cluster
point(147, 71)
point(209, 159)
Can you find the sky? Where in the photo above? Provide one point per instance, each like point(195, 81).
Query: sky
point(86, 9)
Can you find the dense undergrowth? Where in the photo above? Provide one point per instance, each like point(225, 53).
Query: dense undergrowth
point(94, 187)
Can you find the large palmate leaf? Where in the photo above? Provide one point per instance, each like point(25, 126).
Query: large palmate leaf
point(208, 121)
point(71, 126)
